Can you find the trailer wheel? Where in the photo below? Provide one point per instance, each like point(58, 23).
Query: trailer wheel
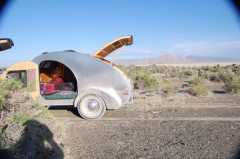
point(91, 107)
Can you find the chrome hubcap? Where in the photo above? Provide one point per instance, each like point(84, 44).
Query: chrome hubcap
point(93, 105)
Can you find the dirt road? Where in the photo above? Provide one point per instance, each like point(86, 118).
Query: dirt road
point(205, 128)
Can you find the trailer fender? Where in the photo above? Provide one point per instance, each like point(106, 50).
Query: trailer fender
point(110, 97)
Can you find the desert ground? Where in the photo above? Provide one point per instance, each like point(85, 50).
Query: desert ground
point(195, 128)
point(185, 118)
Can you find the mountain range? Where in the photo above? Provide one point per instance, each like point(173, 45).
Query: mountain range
point(176, 59)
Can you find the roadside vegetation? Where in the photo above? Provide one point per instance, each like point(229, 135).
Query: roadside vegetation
point(233, 85)
point(193, 80)
point(197, 87)
point(142, 78)
point(19, 112)
point(7, 87)
point(168, 87)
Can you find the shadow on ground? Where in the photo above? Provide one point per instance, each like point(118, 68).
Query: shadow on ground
point(237, 154)
point(71, 109)
point(36, 142)
point(219, 92)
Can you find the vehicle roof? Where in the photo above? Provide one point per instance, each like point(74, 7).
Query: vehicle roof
point(25, 65)
point(63, 56)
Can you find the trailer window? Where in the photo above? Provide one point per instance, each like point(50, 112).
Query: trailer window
point(18, 75)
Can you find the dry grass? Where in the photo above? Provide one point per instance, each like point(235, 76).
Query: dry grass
point(197, 87)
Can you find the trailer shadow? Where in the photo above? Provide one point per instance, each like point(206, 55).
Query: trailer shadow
point(71, 109)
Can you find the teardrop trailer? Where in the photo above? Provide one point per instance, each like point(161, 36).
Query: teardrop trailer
point(92, 84)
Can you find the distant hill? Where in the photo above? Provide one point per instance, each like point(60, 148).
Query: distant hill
point(176, 59)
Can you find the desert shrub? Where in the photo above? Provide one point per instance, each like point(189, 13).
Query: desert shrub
point(2, 102)
point(187, 73)
point(233, 85)
point(198, 90)
point(180, 74)
point(44, 113)
point(19, 119)
point(197, 87)
point(168, 87)
point(203, 74)
point(230, 76)
point(235, 68)
point(143, 79)
point(195, 81)
point(154, 68)
point(205, 68)
point(173, 72)
point(214, 68)
point(162, 69)
point(11, 84)
point(214, 77)
point(35, 104)
point(6, 87)
point(226, 75)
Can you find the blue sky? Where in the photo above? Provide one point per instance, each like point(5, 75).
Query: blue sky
point(187, 27)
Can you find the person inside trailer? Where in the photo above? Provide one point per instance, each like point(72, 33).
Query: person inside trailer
point(53, 85)
point(50, 82)
point(57, 77)
point(45, 76)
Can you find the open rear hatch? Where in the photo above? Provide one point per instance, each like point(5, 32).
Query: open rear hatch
point(114, 45)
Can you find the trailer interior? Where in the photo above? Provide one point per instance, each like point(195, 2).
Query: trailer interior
point(57, 81)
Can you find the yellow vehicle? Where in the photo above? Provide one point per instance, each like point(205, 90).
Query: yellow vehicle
point(27, 73)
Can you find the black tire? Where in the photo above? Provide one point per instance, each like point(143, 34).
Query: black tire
point(91, 107)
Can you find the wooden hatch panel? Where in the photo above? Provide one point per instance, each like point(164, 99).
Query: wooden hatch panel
point(114, 45)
